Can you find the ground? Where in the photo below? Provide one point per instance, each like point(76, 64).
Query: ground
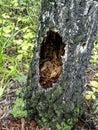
point(88, 121)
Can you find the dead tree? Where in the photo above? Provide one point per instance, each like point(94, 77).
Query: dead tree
point(56, 78)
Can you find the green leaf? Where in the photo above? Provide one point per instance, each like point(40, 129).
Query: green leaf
point(93, 97)
point(96, 102)
point(21, 78)
point(18, 108)
point(96, 111)
point(96, 74)
point(94, 84)
point(88, 97)
point(1, 91)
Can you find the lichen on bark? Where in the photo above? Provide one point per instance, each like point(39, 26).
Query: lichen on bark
point(75, 24)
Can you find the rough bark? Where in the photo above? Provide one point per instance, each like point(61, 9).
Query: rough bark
point(65, 38)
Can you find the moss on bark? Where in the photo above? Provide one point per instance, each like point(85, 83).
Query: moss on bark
point(76, 23)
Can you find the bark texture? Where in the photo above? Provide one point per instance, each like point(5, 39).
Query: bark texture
point(65, 38)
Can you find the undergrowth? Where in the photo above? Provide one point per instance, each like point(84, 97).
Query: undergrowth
point(92, 93)
point(18, 24)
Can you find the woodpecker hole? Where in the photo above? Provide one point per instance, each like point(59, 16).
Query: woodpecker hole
point(50, 63)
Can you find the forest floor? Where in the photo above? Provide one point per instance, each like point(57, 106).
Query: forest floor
point(88, 121)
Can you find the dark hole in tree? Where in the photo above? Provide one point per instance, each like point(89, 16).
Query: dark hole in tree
point(50, 64)
point(83, 44)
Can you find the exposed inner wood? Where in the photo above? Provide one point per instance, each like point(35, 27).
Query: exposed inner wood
point(50, 64)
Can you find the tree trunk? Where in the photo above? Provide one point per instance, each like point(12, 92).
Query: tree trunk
point(55, 83)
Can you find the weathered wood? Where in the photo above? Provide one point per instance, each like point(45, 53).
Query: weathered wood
point(65, 38)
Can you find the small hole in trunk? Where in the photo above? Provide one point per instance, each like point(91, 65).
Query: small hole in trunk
point(50, 64)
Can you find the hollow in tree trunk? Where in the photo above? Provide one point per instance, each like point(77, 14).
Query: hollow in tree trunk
point(56, 77)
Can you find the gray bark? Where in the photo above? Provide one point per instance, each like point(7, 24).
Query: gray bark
point(56, 78)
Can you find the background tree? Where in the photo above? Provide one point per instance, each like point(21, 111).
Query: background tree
point(55, 83)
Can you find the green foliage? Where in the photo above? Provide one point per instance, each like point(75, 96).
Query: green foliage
point(18, 109)
point(3, 87)
point(96, 106)
point(94, 84)
point(59, 126)
point(2, 91)
point(92, 94)
point(18, 24)
point(94, 57)
point(63, 126)
point(21, 78)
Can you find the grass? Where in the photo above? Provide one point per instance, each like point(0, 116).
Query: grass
point(18, 24)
